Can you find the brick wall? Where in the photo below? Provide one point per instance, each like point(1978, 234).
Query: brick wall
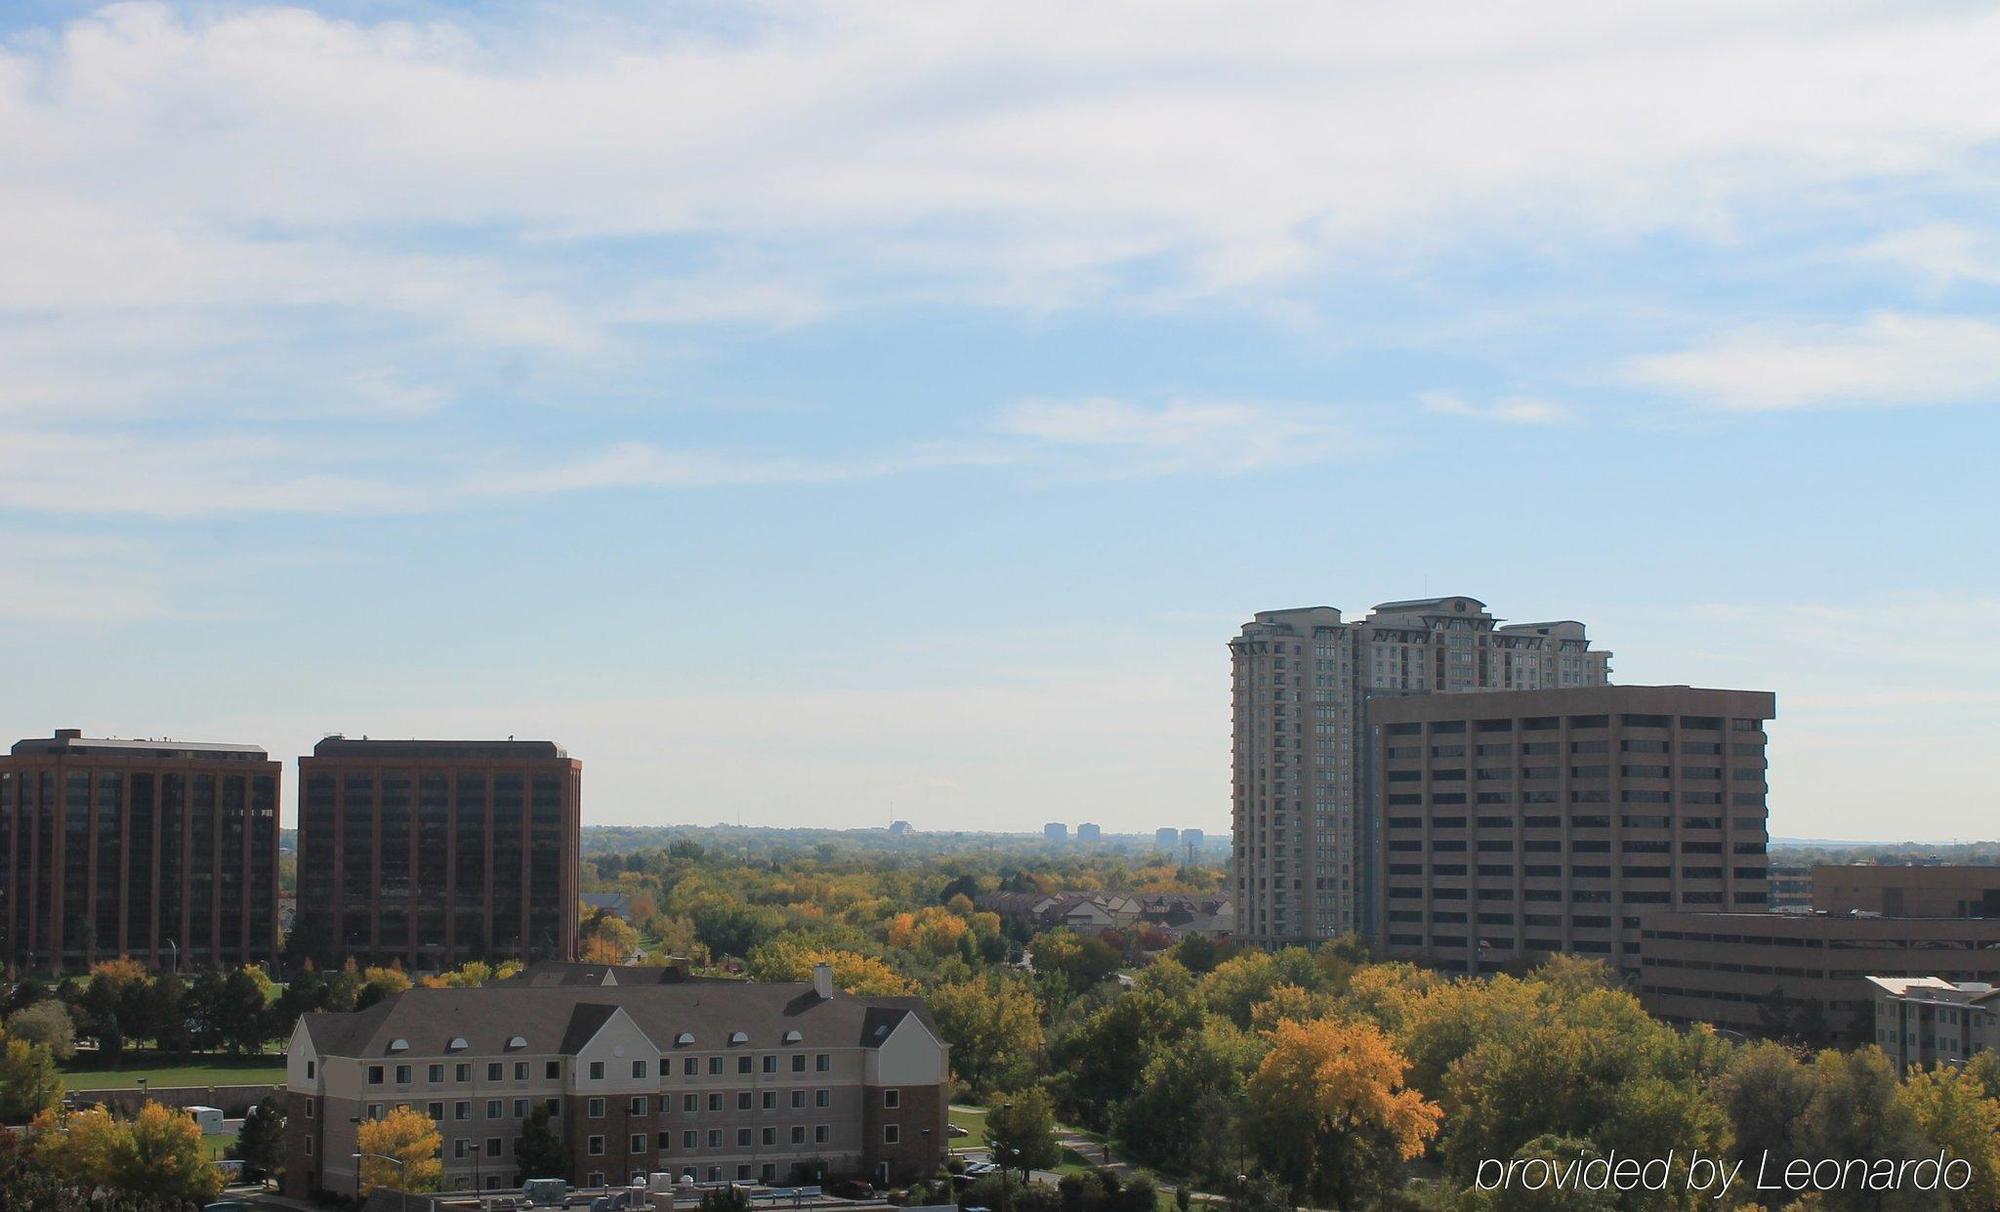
point(914, 1154)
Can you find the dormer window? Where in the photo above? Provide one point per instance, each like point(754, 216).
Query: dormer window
point(739, 1037)
point(793, 1037)
point(399, 1045)
point(684, 1040)
point(516, 1041)
point(458, 1044)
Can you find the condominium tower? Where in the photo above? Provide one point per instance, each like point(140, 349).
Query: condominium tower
point(162, 851)
point(1300, 681)
point(432, 853)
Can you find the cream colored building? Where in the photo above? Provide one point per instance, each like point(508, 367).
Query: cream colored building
point(1300, 681)
point(1927, 1021)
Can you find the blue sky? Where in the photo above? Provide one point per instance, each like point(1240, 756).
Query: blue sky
point(825, 413)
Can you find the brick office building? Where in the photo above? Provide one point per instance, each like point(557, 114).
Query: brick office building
point(1542, 821)
point(164, 851)
point(710, 1080)
point(432, 853)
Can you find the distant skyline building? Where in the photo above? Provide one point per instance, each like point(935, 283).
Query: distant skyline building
point(433, 853)
point(1089, 832)
point(1299, 682)
point(1522, 824)
point(1055, 831)
point(163, 851)
point(1167, 839)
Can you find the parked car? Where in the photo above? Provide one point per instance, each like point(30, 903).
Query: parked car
point(958, 1130)
point(851, 1188)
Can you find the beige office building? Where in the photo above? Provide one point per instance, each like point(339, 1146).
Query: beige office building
point(1923, 1022)
point(1727, 968)
point(1907, 891)
point(1544, 821)
point(1300, 680)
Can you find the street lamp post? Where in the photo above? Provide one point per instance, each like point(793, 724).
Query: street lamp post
point(402, 1180)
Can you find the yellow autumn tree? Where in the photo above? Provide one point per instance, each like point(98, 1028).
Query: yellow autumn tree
point(933, 928)
point(400, 1151)
point(864, 975)
point(162, 1155)
point(76, 1148)
point(1330, 1114)
point(159, 1155)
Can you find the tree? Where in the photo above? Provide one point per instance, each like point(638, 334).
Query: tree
point(792, 960)
point(731, 1198)
point(1330, 1113)
point(1082, 959)
point(77, 1148)
point(410, 1138)
point(29, 1082)
point(1955, 1115)
point(994, 1027)
point(1022, 1131)
point(167, 1012)
point(261, 1144)
point(539, 1152)
point(1104, 1055)
point(1765, 1092)
point(239, 1010)
point(1857, 1111)
point(162, 1155)
point(1189, 1098)
point(46, 1023)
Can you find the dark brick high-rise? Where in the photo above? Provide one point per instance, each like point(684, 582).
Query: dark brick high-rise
point(437, 852)
point(164, 851)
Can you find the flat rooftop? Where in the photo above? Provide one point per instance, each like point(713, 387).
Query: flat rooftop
point(70, 742)
point(507, 750)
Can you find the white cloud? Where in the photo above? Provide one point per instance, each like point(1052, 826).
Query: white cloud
point(1887, 359)
point(1117, 438)
point(1243, 149)
point(1511, 410)
point(1940, 255)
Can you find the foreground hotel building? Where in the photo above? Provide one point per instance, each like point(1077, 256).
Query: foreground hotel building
point(643, 1071)
point(431, 853)
point(163, 851)
point(1537, 822)
point(1300, 680)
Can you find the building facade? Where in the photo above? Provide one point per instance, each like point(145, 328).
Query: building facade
point(709, 1080)
point(1534, 822)
point(1730, 968)
point(1924, 1022)
point(1300, 680)
point(163, 851)
point(1907, 891)
point(432, 853)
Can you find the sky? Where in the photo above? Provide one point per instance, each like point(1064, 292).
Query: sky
point(822, 414)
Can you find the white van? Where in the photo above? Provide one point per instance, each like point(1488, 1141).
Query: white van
point(208, 1119)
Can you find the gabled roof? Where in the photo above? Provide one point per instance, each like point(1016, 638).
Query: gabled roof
point(557, 1019)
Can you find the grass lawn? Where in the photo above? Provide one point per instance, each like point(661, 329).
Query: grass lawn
point(165, 1072)
point(973, 1120)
